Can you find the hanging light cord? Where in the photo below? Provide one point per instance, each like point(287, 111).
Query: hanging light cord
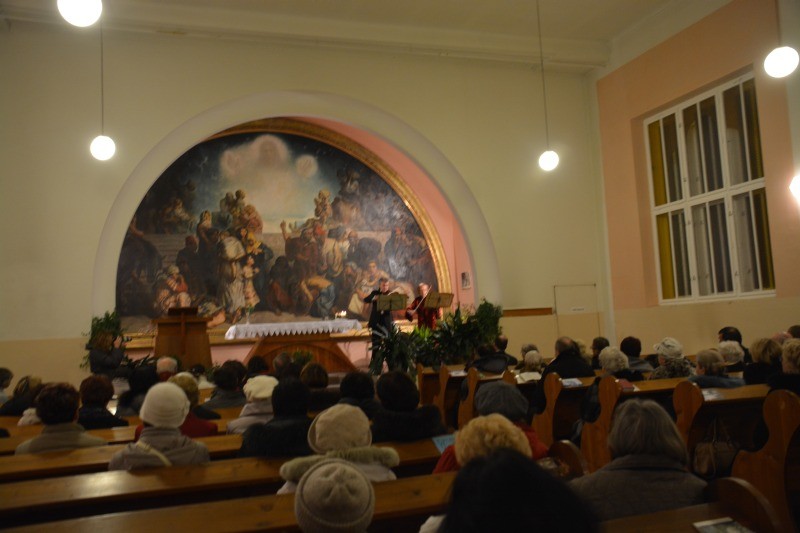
point(102, 88)
point(544, 86)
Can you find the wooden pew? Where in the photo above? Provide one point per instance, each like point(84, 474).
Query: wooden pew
point(400, 505)
point(594, 436)
point(728, 497)
point(85, 460)
point(466, 408)
point(739, 409)
point(775, 468)
point(562, 410)
point(449, 393)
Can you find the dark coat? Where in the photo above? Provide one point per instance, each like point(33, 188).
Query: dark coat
point(98, 417)
point(755, 373)
point(422, 423)
point(283, 436)
point(566, 365)
point(205, 414)
point(370, 406)
point(105, 363)
point(496, 363)
point(378, 319)
point(783, 381)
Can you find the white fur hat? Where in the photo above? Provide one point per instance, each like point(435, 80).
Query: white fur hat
point(165, 406)
point(260, 388)
point(339, 427)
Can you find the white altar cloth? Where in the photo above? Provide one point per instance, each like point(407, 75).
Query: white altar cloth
point(247, 331)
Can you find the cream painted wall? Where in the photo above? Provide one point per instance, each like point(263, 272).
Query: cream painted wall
point(484, 119)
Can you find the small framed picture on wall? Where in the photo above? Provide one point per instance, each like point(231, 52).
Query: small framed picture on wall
point(466, 281)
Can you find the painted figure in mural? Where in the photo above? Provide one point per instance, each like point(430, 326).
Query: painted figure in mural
point(175, 218)
point(408, 256)
point(261, 255)
point(188, 261)
point(367, 284)
point(231, 281)
point(173, 291)
point(251, 220)
point(322, 295)
point(322, 208)
point(362, 250)
point(249, 270)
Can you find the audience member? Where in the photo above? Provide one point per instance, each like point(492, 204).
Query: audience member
point(648, 472)
point(227, 393)
point(730, 333)
point(25, 392)
point(142, 378)
point(794, 331)
point(258, 409)
point(711, 372)
point(166, 367)
point(257, 366)
point(342, 432)
point(96, 391)
point(279, 363)
point(199, 373)
point(671, 362)
point(358, 389)
point(334, 496)
point(239, 369)
point(733, 354)
point(286, 435)
point(161, 443)
point(401, 419)
point(57, 407)
point(5, 382)
point(632, 348)
point(789, 379)
point(506, 491)
point(598, 344)
point(568, 363)
point(106, 355)
point(527, 347)
point(501, 345)
point(493, 358)
point(532, 361)
point(316, 378)
point(766, 355)
point(193, 426)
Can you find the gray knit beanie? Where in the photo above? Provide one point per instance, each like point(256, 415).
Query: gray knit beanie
point(333, 495)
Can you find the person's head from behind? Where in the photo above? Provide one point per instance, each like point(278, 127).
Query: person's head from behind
point(259, 388)
point(484, 434)
point(290, 398)
point(165, 406)
point(528, 347)
point(643, 427)
point(188, 384)
point(767, 351)
point(57, 403)
point(280, 361)
point(533, 361)
point(96, 391)
point(167, 366)
point(501, 343)
point(612, 360)
point(340, 427)
point(631, 346)
point(358, 386)
point(334, 496)
point(565, 345)
point(257, 365)
point(225, 378)
point(239, 370)
point(198, 371)
point(710, 363)
point(142, 378)
point(499, 397)
point(668, 349)
point(794, 331)
point(598, 343)
point(731, 351)
point(790, 356)
point(28, 387)
point(103, 341)
point(729, 333)
point(507, 491)
point(5, 378)
point(397, 391)
point(314, 375)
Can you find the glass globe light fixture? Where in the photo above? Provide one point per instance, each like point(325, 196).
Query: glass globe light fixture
point(781, 62)
point(548, 160)
point(80, 13)
point(794, 187)
point(103, 148)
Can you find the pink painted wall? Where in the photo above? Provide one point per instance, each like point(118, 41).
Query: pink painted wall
point(438, 209)
point(728, 42)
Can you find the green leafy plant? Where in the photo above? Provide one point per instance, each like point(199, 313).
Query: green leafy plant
point(396, 348)
point(302, 357)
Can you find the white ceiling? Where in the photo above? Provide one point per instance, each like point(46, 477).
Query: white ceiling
point(577, 34)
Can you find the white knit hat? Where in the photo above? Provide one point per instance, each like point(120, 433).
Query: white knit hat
point(334, 495)
point(165, 406)
point(260, 388)
point(340, 427)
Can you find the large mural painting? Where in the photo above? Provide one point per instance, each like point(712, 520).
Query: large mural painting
point(274, 220)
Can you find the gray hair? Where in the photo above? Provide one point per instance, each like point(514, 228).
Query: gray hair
point(731, 351)
point(712, 362)
point(643, 427)
point(669, 348)
point(533, 361)
point(791, 355)
point(612, 359)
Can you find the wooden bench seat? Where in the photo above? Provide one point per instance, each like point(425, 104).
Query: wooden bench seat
point(466, 408)
point(563, 408)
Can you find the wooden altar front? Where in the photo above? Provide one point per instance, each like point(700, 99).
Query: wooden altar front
point(323, 347)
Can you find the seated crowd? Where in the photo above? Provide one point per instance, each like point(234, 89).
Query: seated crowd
point(332, 460)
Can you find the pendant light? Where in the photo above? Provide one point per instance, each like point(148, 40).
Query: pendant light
point(80, 13)
point(549, 158)
point(783, 60)
point(102, 147)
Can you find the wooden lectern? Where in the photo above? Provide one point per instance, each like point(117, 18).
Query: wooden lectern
point(183, 334)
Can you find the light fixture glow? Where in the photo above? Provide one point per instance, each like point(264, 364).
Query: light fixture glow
point(103, 148)
point(548, 160)
point(781, 62)
point(80, 13)
point(794, 187)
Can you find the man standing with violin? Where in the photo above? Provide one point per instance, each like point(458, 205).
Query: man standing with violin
point(426, 316)
point(380, 322)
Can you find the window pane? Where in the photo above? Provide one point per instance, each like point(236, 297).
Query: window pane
point(708, 119)
point(681, 253)
point(745, 242)
point(656, 163)
point(719, 247)
point(734, 136)
point(753, 133)
point(763, 240)
point(694, 155)
point(672, 158)
point(702, 249)
point(665, 257)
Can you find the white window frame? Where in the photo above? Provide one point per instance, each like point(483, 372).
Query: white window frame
point(727, 192)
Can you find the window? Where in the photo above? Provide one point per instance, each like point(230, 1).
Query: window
point(708, 200)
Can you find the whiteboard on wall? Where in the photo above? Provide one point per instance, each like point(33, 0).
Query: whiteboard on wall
point(575, 299)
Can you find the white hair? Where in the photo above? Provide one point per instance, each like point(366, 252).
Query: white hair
point(731, 351)
point(612, 359)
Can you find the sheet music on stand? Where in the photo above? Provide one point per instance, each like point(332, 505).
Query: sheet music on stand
point(435, 300)
point(392, 302)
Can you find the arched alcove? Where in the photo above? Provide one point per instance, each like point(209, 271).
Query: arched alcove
point(442, 192)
